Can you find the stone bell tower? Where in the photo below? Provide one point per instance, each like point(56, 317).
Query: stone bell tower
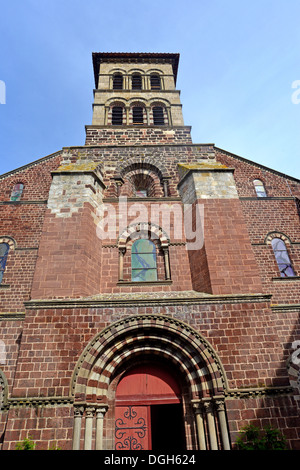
point(135, 96)
point(141, 87)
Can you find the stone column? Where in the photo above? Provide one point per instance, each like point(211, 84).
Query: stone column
point(121, 263)
point(198, 407)
point(169, 116)
point(148, 110)
point(211, 425)
point(165, 186)
point(78, 412)
point(89, 416)
point(167, 263)
point(100, 413)
point(223, 424)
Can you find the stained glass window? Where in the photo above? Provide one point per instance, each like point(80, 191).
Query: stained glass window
point(4, 248)
point(259, 188)
point(17, 192)
point(143, 261)
point(282, 258)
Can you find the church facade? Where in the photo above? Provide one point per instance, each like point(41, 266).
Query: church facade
point(149, 285)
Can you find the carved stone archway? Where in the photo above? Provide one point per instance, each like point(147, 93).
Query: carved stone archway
point(167, 339)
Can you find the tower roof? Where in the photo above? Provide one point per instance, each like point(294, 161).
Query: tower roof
point(134, 57)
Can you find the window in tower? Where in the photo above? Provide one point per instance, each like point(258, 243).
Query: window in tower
point(17, 192)
point(137, 115)
point(118, 81)
point(158, 116)
point(4, 249)
point(136, 81)
point(117, 115)
point(259, 188)
point(143, 261)
point(282, 258)
point(155, 82)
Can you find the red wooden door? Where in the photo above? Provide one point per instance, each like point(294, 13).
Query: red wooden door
point(132, 428)
point(137, 391)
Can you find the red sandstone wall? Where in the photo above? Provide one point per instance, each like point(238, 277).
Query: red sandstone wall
point(276, 213)
point(23, 221)
point(245, 336)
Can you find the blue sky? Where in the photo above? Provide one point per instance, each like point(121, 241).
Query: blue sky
point(238, 62)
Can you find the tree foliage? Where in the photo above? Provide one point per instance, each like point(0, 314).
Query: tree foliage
point(268, 438)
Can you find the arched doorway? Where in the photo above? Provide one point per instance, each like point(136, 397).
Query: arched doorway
point(148, 414)
point(150, 339)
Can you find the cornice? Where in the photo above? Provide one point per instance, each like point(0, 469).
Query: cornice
point(10, 316)
point(37, 401)
point(239, 393)
point(146, 299)
point(286, 307)
point(254, 392)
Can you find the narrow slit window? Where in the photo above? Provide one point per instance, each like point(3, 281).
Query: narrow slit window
point(118, 81)
point(17, 192)
point(136, 81)
point(137, 115)
point(282, 258)
point(143, 261)
point(260, 188)
point(155, 82)
point(158, 116)
point(4, 249)
point(117, 115)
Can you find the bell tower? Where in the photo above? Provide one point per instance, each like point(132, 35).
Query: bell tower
point(135, 92)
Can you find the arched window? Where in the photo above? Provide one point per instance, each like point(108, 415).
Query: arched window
point(259, 188)
point(158, 116)
point(118, 81)
point(282, 258)
point(117, 115)
point(4, 249)
point(155, 82)
point(143, 261)
point(17, 192)
point(137, 115)
point(136, 81)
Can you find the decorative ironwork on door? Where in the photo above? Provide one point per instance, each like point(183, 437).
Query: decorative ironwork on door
point(131, 428)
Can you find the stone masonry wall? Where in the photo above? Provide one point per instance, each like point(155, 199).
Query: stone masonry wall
point(125, 135)
point(244, 334)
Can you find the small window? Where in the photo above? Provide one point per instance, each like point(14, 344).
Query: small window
point(282, 258)
point(143, 261)
point(136, 81)
point(17, 192)
point(141, 192)
point(118, 81)
point(117, 115)
point(259, 188)
point(158, 116)
point(4, 249)
point(155, 82)
point(137, 115)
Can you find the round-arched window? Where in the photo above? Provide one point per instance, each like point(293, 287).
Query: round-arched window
point(143, 261)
